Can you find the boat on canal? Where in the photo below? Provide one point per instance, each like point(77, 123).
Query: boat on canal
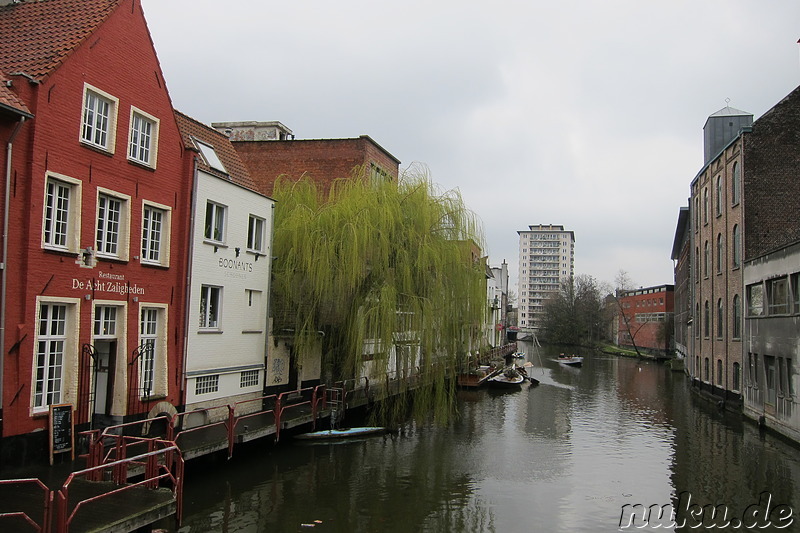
point(478, 377)
point(510, 378)
point(570, 360)
point(329, 434)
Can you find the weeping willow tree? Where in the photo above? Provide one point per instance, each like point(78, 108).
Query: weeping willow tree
point(385, 271)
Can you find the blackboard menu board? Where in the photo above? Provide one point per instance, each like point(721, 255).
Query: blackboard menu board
point(62, 427)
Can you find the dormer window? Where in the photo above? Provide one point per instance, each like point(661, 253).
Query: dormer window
point(210, 156)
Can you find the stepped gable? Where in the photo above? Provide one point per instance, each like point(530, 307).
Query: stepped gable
point(237, 172)
point(36, 36)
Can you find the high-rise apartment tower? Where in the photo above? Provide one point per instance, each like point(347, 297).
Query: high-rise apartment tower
point(546, 258)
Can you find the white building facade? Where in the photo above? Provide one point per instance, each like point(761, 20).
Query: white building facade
point(546, 259)
point(230, 265)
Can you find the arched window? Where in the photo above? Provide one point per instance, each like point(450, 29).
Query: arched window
point(719, 371)
point(705, 369)
point(737, 247)
point(705, 205)
point(697, 325)
point(720, 253)
point(697, 213)
point(706, 319)
point(696, 264)
point(737, 376)
point(737, 317)
point(736, 184)
point(706, 259)
point(718, 199)
point(720, 319)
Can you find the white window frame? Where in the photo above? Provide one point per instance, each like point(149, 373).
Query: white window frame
point(216, 215)
point(246, 378)
point(210, 307)
point(206, 384)
point(107, 236)
point(98, 131)
point(256, 233)
point(143, 138)
point(155, 248)
point(53, 351)
point(66, 237)
point(105, 321)
point(153, 364)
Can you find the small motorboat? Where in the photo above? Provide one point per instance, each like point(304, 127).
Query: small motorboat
point(570, 360)
point(519, 355)
point(341, 433)
point(510, 378)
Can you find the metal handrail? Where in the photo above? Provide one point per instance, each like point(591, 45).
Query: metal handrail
point(176, 477)
point(47, 507)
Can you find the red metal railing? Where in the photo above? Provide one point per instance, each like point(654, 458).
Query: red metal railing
point(47, 502)
point(164, 464)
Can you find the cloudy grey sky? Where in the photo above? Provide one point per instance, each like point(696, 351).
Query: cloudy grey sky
point(583, 113)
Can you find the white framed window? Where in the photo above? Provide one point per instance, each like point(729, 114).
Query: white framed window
point(148, 341)
point(255, 234)
point(50, 352)
point(206, 384)
point(210, 306)
point(249, 378)
point(99, 118)
point(143, 138)
point(112, 225)
point(215, 222)
point(156, 222)
point(105, 322)
point(61, 216)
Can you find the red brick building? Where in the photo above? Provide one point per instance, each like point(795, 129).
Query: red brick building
point(647, 318)
point(97, 203)
point(269, 150)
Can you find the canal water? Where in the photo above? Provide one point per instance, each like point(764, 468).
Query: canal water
point(578, 452)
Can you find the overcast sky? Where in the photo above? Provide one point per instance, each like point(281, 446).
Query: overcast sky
point(582, 113)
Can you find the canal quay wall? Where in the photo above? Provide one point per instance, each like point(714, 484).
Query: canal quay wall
point(726, 400)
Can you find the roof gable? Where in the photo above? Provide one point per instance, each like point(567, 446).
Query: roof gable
point(10, 101)
point(36, 36)
point(236, 171)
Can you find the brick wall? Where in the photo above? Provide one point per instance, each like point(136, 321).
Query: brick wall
point(119, 59)
point(324, 160)
point(771, 181)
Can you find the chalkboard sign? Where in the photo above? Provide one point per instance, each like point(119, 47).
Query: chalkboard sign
point(62, 425)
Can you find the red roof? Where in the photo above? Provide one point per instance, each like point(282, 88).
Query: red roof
point(37, 35)
point(9, 100)
point(192, 129)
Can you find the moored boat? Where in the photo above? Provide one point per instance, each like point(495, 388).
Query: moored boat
point(510, 378)
point(341, 433)
point(478, 376)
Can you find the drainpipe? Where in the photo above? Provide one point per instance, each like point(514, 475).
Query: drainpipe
point(188, 294)
point(3, 260)
point(270, 259)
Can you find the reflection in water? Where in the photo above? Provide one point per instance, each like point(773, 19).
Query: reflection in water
point(566, 455)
